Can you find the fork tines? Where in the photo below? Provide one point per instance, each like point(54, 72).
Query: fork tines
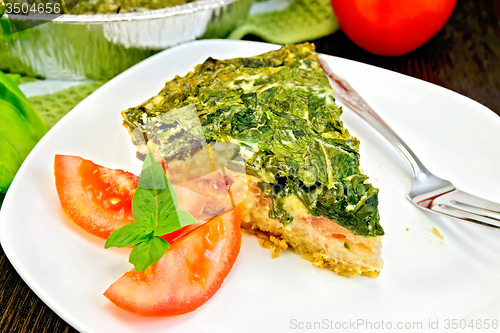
point(465, 206)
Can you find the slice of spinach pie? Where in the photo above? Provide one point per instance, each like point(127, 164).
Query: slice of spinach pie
point(305, 187)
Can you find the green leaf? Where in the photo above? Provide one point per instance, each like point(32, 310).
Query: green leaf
point(154, 207)
point(13, 149)
point(14, 77)
point(174, 221)
point(12, 94)
point(155, 194)
point(152, 174)
point(150, 224)
point(147, 253)
point(152, 202)
point(20, 128)
point(185, 218)
point(129, 235)
point(6, 178)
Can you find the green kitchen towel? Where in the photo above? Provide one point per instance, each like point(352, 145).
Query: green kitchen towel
point(54, 106)
point(302, 20)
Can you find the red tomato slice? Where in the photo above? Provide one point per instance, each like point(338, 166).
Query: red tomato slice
point(187, 276)
point(173, 236)
point(99, 199)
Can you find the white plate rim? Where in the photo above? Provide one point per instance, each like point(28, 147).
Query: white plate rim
point(6, 242)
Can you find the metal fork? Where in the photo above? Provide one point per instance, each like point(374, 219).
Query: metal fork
point(428, 192)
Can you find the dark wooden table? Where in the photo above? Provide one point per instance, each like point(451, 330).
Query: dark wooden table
point(464, 56)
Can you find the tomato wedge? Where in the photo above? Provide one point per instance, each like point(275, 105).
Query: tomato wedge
point(187, 276)
point(99, 199)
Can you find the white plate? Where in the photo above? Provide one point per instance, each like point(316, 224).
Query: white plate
point(424, 278)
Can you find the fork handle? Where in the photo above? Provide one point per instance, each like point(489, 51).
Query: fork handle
point(343, 91)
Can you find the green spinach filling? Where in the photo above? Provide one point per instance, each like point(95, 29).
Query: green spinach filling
point(279, 109)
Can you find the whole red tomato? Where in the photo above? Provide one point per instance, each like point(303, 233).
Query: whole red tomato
point(392, 27)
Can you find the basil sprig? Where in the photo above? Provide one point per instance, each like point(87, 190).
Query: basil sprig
point(154, 207)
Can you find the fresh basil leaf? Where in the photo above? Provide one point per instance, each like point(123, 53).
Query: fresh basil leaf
point(174, 221)
point(130, 234)
point(153, 178)
point(152, 174)
point(154, 207)
point(185, 218)
point(147, 253)
point(151, 202)
point(173, 194)
point(145, 223)
point(150, 224)
point(155, 194)
point(167, 225)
